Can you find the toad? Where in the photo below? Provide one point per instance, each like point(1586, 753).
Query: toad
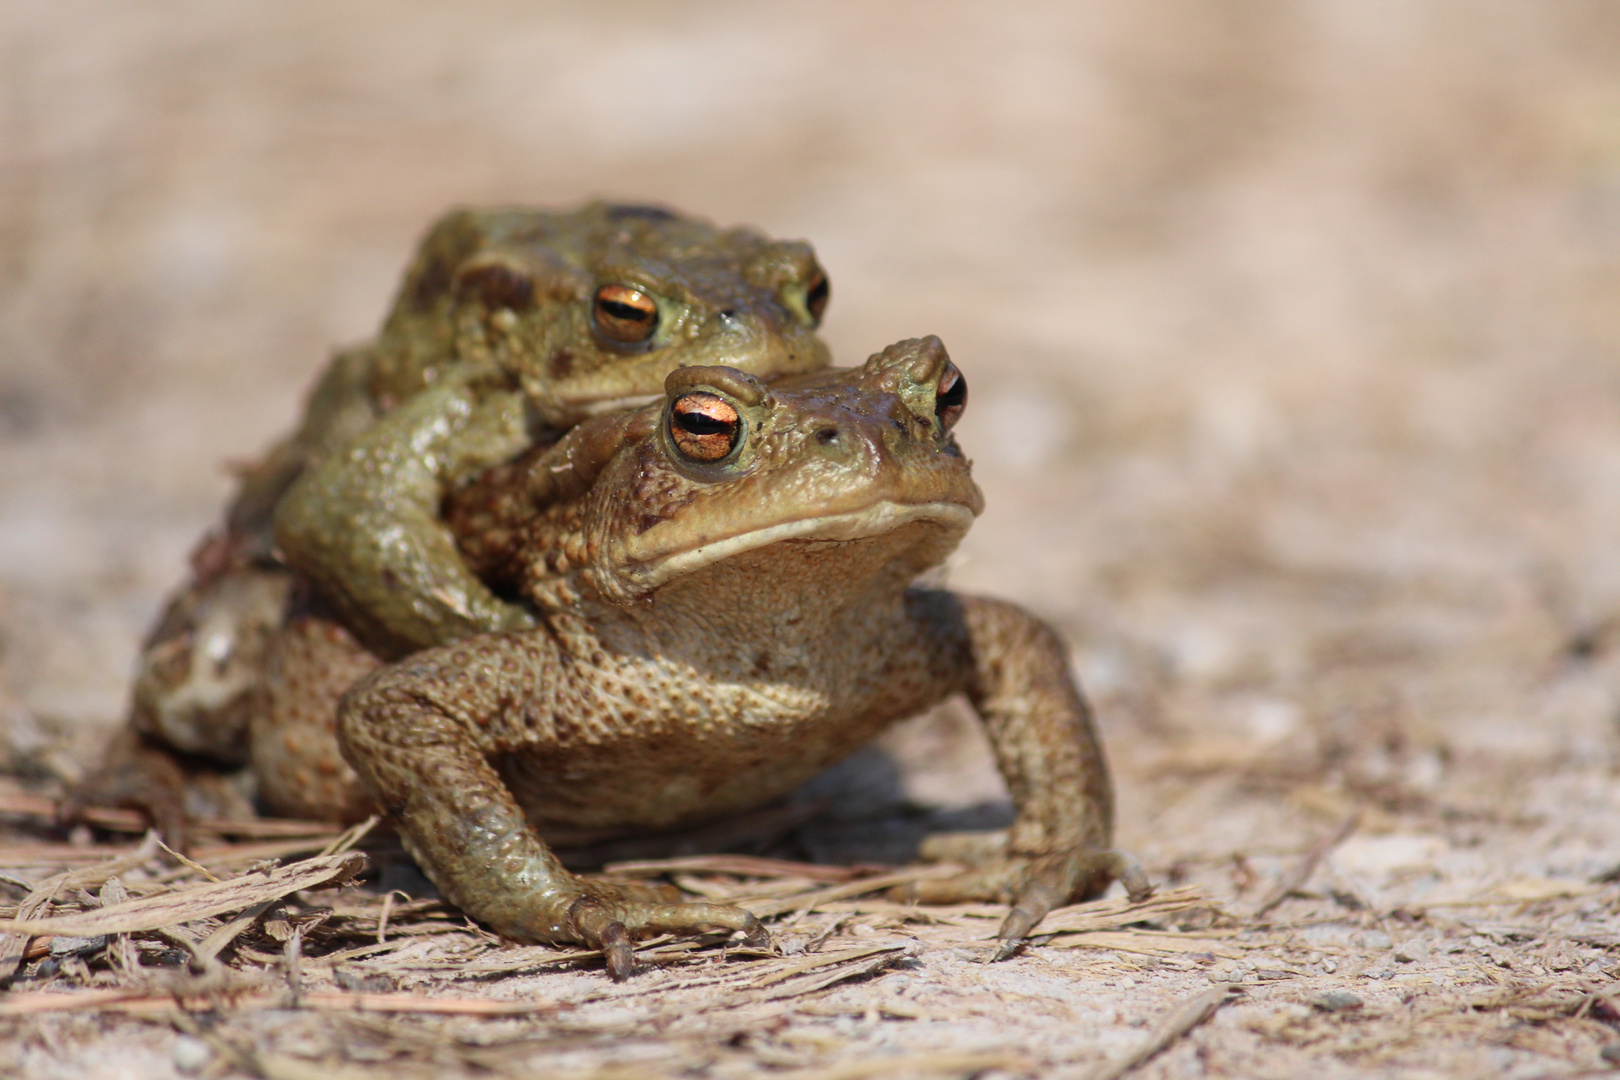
point(511, 325)
point(724, 599)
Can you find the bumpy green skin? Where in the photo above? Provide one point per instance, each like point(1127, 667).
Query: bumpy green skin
point(691, 661)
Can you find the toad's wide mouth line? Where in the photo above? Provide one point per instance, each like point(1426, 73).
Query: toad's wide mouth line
point(874, 520)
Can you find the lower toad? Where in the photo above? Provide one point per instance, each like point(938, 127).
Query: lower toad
point(726, 609)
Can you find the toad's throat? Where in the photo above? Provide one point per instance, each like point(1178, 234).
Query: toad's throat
point(951, 519)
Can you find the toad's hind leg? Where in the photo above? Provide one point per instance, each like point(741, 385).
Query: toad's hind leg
point(300, 770)
point(421, 733)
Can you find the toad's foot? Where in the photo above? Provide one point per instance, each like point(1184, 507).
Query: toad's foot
point(1034, 884)
point(611, 917)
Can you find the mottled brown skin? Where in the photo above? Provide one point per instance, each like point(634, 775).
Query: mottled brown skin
point(292, 737)
point(711, 634)
point(496, 341)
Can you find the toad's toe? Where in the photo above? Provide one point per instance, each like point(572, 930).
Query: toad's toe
point(1035, 884)
point(612, 918)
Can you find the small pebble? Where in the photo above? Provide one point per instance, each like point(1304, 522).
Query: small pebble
point(191, 1054)
point(375, 983)
point(1411, 951)
point(1337, 1001)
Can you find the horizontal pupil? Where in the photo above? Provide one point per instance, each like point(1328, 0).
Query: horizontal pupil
point(625, 311)
point(703, 424)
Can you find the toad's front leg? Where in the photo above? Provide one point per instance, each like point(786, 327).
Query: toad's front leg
point(363, 524)
point(1060, 845)
point(419, 734)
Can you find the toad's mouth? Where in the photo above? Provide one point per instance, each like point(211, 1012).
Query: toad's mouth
point(951, 520)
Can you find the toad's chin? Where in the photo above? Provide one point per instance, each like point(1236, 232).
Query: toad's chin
point(950, 519)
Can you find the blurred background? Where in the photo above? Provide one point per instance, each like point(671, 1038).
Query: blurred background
point(1291, 326)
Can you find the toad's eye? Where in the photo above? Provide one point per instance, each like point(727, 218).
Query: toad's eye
point(704, 426)
point(816, 294)
point(950, 399)
point(625, 314)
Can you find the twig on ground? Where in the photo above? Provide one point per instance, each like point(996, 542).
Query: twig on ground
point(820, 960)
point(292, 955)
point(186, 861)
point(14, 936)
point(120, 947)
point(143, 1001)
point(215, 943)
point(804, 903)
point(1114, 912)
point(1182, 1019)
point(133, 821)
point(1147, 943)
point(351, 836)
point(14, 945)
point(744, 866)
point(187, 905)
point(1307, 865)
point(382, 918)
point(941, 1063)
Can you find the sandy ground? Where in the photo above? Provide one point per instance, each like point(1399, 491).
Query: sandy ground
point(1296, 399)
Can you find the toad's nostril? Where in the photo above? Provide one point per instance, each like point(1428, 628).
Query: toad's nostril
point(827, 436)
point(951, 396)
